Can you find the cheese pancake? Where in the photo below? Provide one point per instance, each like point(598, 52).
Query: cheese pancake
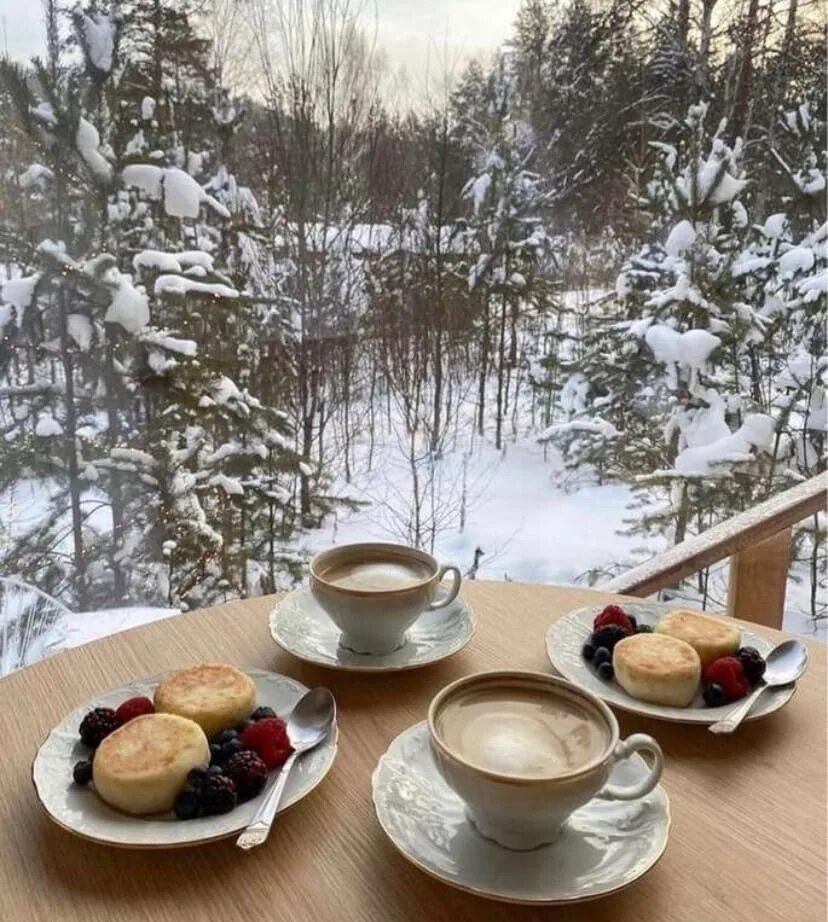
point(142, 766)
point(710, 637)
point(216, 696)
point(657, 668)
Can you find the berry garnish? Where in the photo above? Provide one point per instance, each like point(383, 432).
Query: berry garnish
point(249, 773)
point(268, 738)
point(602, 655)
point(218, 794)
point(614, 614)
point(242, 725)
point(588, 651)
point(231, 747)
point(728, 672)
point(263, 712)
point(134, 707)
point(97, 725)
point(82, 772)
point(215, 753)
point(608, 636)
point(752, 662)
point(187, 804)
point(215, 770)
point(225, 736)
point(605, 671)
point(714, 695)
point(196, 777)
point(644, 629)
point(633, 622)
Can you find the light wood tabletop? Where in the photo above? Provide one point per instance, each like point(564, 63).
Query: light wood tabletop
point(748, 840)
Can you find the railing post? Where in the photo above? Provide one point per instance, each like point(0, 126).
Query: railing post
point(758, 578)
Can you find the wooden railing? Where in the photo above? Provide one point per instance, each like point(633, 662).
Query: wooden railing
point(758, 543)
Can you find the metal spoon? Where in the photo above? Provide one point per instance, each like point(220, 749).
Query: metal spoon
point(785, 664)
point(309, 724)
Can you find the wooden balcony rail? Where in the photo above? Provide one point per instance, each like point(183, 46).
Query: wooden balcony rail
point(758, 542)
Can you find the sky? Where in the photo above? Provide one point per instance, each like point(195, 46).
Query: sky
point(418, 36)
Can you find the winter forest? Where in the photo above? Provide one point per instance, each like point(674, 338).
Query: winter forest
point(561, 309)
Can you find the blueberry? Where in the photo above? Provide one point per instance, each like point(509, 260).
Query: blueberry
point(225, 736)
point(608, 636)
point(231, 747)
point(82, 772)
point(187, 805)
point(714, 696)
point(243, 725)
point(215, 770)
point(196, 776)
point(605, 671)
point(261, 713)
point(215, 753)
point(588, 651)
point(644, 629)
point(602, 655)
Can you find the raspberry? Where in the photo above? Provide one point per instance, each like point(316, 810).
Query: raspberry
point(614, 614)
point(134, 707)
point(248, 772)
point(97, 725)
point(269, 740)
point(728, 672)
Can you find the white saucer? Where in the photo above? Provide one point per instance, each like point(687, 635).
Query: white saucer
point(567, 636)
point(302, 628)
point(80, 811)
point(604, 847)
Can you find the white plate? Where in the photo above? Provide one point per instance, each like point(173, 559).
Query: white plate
point(81, 811)
point(302, 628)
point(604, 847)
point(566, 637)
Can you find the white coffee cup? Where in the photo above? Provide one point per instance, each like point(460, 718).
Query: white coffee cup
point(366, 604)
point(525, 812)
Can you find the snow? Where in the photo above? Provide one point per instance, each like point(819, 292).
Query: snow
point(747, 264)
point(477, 190)
point(19, 293)
point(147, 108)
point(231, 485)
point(691, 349)
point(35, 177)
point(145, 177)
point(774, 226)
point(99, 35)
point(56, 250)
point(681, 238)
point(180, 285)
point(701, 459)
point(595, 425)
point(182, 194)
point(44, 113)
point(797, 259)
point(79, 327)
point(156, 259)
point(129, 306)
point(224, 390)
point(47, 426)
point(78, 628)
point(170, 343)
point(88, 142)
point(196, 258)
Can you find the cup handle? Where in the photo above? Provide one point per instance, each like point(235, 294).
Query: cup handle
point(624, 749)
point(457, 578)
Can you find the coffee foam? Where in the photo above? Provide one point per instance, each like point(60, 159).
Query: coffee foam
point(377, 574)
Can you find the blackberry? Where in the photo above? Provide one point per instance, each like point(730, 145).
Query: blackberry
point(218, 795)
point(608, 636)
point(187, 805)
point(752, 662)
point(261, 713)
point(714, 695)
point(82, 772)
point(249, 773)
point(97, 725)
point(605, 671)
point(196, 777)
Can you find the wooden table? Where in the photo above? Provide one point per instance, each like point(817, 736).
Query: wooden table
point(748, 839)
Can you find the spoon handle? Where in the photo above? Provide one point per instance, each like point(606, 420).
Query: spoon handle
point(259, 828)
point(735, 716)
